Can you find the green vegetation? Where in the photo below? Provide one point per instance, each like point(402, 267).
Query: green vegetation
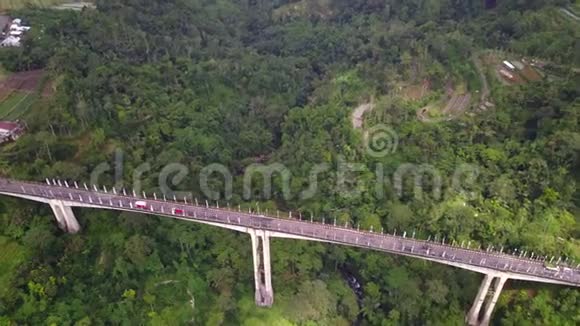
point(18, 4)
point(12, 256)
point(546, 34)
point(238, 82)
point(3, 73)
point(575, 7)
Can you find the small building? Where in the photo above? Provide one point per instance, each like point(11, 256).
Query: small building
point(12, 31)
point(506, 74)
point(509, 65)
point(10, 41)
point(18, 27)
point(10, 130)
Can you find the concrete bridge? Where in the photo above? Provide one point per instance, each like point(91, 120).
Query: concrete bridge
point(496, 266)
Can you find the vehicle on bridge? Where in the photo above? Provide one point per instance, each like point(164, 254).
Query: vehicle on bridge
point(141, 204)
point(177, 211)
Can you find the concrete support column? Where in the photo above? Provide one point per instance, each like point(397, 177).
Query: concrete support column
point(498, 286)
point(472, 318)
point(64, 216)
point(262, 269)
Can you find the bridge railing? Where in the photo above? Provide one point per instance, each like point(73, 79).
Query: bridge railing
point(522, 261)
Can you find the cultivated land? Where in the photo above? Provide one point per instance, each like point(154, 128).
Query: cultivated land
point(18, 92)
point(17, 4)
point(11, 107)
point(416, 92)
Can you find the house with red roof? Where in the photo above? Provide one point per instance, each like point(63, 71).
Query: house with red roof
point(10, 130)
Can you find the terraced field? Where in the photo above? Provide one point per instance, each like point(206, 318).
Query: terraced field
point(8, 106)
point(16, 105)
point(19, 91)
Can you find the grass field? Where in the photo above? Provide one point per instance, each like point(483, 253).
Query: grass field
point(15, 105)
point(11, 256)
point(16, 4)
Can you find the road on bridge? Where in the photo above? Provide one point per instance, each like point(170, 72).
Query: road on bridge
point(477, 260)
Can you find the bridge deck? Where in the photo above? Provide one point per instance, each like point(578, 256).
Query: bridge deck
point(477, 260)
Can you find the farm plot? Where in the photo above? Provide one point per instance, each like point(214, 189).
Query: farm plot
point(18, 92)
point(11, 103)
point(17, 4)
point(17, 105)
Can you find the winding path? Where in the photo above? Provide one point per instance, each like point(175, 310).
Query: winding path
point(359, 114)
point(570, 14)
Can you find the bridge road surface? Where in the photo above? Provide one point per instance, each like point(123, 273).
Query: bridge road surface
point(518, 268)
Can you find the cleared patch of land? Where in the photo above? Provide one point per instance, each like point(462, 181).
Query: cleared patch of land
point(22, 81)
point(12, 103)
point(304, 8)
point(76, 6)
point(526, 70)
point(358, 115)
point(453, 104)
point(19, 91)
point(457, 104)
point(530, 74)
point(416, 92)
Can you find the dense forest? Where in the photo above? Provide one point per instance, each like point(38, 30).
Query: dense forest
point(239, 82)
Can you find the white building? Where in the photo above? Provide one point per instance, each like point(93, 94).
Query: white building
point(509, 65)
point(10, 41)
point(14, 32)
point(10, 130)
point(19, 28)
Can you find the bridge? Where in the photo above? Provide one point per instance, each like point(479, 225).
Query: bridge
point(496, 266)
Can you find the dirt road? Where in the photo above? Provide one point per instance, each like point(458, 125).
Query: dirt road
point(359, 113)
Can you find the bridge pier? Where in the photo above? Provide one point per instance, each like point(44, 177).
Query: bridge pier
point(64, 216)
point(499, 283)
point(472, 318)
point(262, 270)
